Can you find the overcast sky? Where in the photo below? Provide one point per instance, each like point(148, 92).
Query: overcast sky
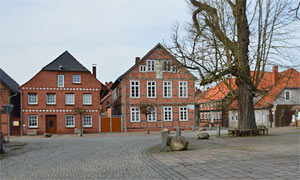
point(107, 33)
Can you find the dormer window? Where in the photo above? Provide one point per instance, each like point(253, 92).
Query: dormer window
point(76, 79)
point(287, 95)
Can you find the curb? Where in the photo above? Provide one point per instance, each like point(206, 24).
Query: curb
point(160, 168)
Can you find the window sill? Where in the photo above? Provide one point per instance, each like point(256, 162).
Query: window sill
point(70, 127)
point(77, 83)
point(33, 127)
point(88, 126)
point(32, 104)
point(70, 104)
point(51, 104)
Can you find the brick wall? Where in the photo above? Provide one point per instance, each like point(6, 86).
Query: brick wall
point(46, 82)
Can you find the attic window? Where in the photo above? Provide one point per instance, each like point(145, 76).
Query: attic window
point(287, 95)
point(167, 65)
point(151, 65)
point(143, 68)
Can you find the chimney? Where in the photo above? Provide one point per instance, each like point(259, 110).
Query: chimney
point(274, 74)
point(94, 69)
point(137, 59)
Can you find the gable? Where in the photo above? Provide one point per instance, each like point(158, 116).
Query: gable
point(158, 53)
point(65, 62)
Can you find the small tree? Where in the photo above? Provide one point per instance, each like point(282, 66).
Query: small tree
point(80, 111)
point(147, 109)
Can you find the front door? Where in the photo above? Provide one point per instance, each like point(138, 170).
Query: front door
point(51, 124)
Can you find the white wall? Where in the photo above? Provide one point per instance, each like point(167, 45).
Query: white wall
point(261, 117)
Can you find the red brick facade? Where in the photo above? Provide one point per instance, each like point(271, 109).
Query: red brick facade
point(123, 102)
point(46, 82)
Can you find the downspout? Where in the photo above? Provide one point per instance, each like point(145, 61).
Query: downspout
point(8, 117)
point(21, 113)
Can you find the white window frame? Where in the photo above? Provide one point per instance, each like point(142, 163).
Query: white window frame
point(47, 99)
point(134, 87)
point(83, 121)
point(183, 89)
point(290, 95)
point(36, 119)
point(169, 111)
point(183, 112)
point(167, 63)
point(67, 121)
point(74, 77)
point(60, 82)
point(167, 85)
point(30, 98)
point(134, 114)
point(66, 99)
point(201, 115)
point(87, 99)
point(143, 68)
point(151, 87)
point(152, 117)
point(150, 65)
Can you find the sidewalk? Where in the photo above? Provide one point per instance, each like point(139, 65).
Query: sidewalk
point(276, 156)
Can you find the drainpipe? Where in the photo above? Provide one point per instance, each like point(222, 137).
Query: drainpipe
point(21, 114)
point(8, 118)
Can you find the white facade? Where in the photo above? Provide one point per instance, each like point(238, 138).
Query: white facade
point(261, 117)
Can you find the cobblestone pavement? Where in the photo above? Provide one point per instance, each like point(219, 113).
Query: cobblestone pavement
point(276, 156)
point(106, 156)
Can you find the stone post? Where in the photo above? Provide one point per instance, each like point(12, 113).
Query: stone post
point(218, 130)
point(178, 131)
point(163, 141)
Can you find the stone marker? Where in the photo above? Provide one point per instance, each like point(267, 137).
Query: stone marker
point(179, 143)
point(178, 131)
point(163, 141)
point(202, 129)
point(203, 135)
point(32, 132)
point(168, 130)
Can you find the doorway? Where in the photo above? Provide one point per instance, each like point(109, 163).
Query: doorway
point(51, 124)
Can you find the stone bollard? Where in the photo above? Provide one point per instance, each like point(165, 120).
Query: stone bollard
point(178, 131)
point(163, 141)
point(218, 130)
point(209, 126)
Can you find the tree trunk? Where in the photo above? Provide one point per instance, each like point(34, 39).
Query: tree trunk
point(244, 84)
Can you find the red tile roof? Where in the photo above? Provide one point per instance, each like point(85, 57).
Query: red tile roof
point(289, 78)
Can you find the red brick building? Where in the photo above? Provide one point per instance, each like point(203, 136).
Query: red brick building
point(52, 99)
point(158, 80)
point(9, 94)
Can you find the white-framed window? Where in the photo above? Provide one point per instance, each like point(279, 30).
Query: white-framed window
point(201, 115)
point(32, 121)
point(51, 98)
point(236, 117)
point(167, 67)
point(87, 120)
point(183, 113)
point(143, 68)
point(150, 65)
point(152, 117)
point(205, 115)
point(135, 114)
point(287, 95)
point(183, 89)
point(70, 99)
point(87, 99)
point(134, 89)
point(32, 98)
point(70, 121)
point(60, 80)
point(167, 89)
point(167, 113)
point(76, 79)
point(151, 89)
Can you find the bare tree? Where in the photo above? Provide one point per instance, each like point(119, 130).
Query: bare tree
point(226, 39)
point(147, 109)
